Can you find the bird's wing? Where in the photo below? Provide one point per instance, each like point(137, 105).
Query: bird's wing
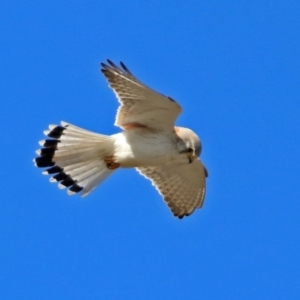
point(181, 185)
point(140, 106)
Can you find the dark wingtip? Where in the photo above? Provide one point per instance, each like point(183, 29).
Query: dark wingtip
point(106, 68)
point(171, 99)
point(109, 61)
point(205, 172)
point(180, 215)
point(125, 68)
point(113, 65)
point(103, 65)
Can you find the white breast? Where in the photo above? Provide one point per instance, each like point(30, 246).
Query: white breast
point(138, 147)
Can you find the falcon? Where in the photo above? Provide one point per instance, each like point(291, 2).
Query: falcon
point(150, 142)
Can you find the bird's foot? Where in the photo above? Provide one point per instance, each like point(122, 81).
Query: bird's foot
point(110, 163)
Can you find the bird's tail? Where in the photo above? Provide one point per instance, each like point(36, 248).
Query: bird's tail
point(75, 157)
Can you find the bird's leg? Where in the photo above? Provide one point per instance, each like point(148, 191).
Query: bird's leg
point(110, 163)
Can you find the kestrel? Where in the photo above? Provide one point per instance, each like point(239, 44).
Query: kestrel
point(167, 155)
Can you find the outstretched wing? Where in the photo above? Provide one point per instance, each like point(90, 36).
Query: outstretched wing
point(140, 105)
point(181, 185)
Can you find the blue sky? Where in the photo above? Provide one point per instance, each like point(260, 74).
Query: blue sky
point(234, 68)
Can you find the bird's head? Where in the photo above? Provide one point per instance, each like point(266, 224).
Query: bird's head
point(191, 143)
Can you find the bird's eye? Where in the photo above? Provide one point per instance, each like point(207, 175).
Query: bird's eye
point(190, 150)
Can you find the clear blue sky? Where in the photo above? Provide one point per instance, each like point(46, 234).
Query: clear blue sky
point(234, 67)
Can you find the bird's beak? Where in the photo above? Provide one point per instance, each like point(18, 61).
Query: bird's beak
point(191, 156)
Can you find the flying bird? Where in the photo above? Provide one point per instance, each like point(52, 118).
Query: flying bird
point(150, 142)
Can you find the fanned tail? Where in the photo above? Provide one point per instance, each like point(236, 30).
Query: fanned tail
point(76, 157)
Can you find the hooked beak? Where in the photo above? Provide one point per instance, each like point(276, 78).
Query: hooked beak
point(191, 156)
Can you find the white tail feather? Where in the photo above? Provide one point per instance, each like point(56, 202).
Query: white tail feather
point(78, 157)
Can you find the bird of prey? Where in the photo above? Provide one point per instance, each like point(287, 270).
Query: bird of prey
point(150, 142)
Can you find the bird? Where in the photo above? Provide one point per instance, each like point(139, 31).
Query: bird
point(168, 155)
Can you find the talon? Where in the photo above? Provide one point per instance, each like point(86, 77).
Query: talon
point(110, 163)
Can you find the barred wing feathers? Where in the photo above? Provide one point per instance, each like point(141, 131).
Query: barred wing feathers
point(140, 105)
point(181, 185)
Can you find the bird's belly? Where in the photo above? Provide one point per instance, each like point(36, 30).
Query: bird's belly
point(140, 150)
